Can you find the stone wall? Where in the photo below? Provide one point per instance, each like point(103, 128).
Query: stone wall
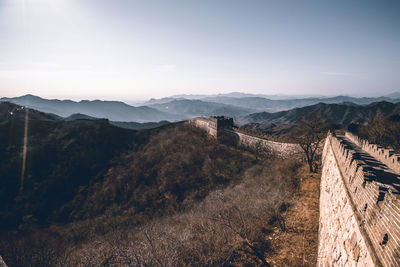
point(341, 242)
point(206, 125)
point(283, 150)
point(245, 140)
point(359, 207)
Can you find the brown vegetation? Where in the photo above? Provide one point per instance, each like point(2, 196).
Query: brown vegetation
point(179, 199)
point(384, 131)
point(298, 245)
point(262, 220)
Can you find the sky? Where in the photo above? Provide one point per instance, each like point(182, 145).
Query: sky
point(128, 49)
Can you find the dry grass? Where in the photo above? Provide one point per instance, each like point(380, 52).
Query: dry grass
point(299, 244)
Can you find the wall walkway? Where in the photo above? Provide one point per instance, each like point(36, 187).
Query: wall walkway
point(359, 207)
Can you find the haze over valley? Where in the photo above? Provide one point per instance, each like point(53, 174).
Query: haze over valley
point(176, 108)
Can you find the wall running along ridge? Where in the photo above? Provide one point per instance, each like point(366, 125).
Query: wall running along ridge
point(211, 126)
point(283, 150)
point(204, 124)
point(359, 198)
point(359, 205)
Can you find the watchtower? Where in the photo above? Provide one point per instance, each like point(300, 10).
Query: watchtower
point(220, 122)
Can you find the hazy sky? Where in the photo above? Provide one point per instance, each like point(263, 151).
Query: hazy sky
point(125, 49)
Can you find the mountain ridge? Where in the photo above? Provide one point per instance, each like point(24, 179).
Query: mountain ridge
point(174, 109)
point(260, 103)
point(333, 113)
point(112, 110)
point(193, 108)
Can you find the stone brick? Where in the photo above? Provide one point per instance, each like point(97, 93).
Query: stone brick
point(366, 189)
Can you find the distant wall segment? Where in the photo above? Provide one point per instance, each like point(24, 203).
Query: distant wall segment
point(283, 150)
point(222, 127)
point(204, 124)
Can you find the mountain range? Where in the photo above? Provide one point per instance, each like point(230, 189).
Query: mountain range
point(112, 110)
point(257, 103)
point(123, 124)
point(195, 108)
point(243, 107)
point(394, 95)
point(116, 111)
point(333, 113)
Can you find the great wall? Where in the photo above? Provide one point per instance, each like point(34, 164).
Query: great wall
point(359, 222)
point(221, 127)
point(359, 204)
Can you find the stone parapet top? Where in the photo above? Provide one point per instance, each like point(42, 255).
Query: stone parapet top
point(387, 156)
point(373, 187)
point(373, 169)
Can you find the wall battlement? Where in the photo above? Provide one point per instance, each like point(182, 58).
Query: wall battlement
point(372, 202)
point(387, 156)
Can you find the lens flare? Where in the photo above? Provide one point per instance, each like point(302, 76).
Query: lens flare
point(24, 149)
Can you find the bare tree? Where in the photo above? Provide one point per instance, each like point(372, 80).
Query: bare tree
point(311, 133)
point(238, 223)
point(384, 131)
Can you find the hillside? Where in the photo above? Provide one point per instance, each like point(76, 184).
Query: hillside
point(10, 112)
point(122, 124)
point(95, 194)
point(112, 110)
point(139, 126)
point(61, 157)
point(88, 154)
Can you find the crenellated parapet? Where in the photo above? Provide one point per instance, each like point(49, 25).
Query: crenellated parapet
point(387, 156)
point(372, 188)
